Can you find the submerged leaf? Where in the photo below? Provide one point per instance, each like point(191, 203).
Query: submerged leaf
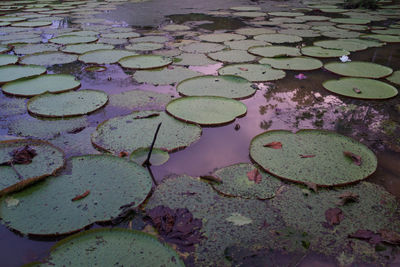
point(334, 216)
point(255, 176)
point(274, 145)
point(390, 237)
point(367, 235)
point(347, 197)
point(23, 155)
point(355, 158)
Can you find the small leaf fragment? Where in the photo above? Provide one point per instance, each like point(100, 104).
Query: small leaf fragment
point(148, 116)
point(306, 156)
point(255, 176)
point(274, 145)
point(243, 69)
point(390, 237)
point(367, 235)
point(12, 202)
point(238, 219)
point(356, 158)
point(334, 216)
point(211, 178)
point(356, 90)
point(312, 186)
point(78, 197)
point(23, 155)
point(347, 197)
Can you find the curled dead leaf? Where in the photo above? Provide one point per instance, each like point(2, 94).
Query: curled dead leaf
point(243, 69)
point(211, 178)
point(274, 145)
point(356, 90)
point(347, 197)
point(312, 186)
point(23, 155)
point(334, 216)
point(78, 197)
point(306, 156)
point(255, 176)
point(355, 158)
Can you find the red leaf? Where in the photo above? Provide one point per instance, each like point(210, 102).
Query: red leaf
point(274, 145)
point(255, 176)
point(78, 197)
point(123, 154)
point(334, 216)
point(356, 158)
point(306, 156)
point(243, 69)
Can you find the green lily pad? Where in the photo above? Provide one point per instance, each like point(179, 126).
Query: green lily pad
point(84, 48)
point(353, 27)
point(189, 59)
point(105, 56)
point(382, 37)
point(67, 104)
point(245, 44)
point(221, 37)
point(143, 62)
point(275, 51)
point(144, 46)
point(253, 72)
point(32, 24)
point(48, 58)
point(130, 132)
point(175, 28)
point(312, 18)
point(285, 14)
point(295, 63)
point(227, 86)
point(361, 88)
point(80, 33)
point(254, 31)
point(70, 202)
point(112, 41)
point(359, 69)
point(6, 59)
point(73, 39)
point(236, 183)
point(139, 100)
point(164, 76)
point(201, 47)
point(206, 110)
point(341, 34)
point(158, 156)
point(313, 156)
point(278, 38)
point(341, 44)
point(117, 246)
point(14, 72)
point(150, 38)
point(232, 56)
point(120, 35)
point(249, 14)
point(301, 33)
point(368, 43)
point(54, 83)
point(395, 77)
point(47, 160)
point(4, 49)
point(350, 21)
point(12, 18)
point(320, 52)
point(245, 8)
point(35, 48)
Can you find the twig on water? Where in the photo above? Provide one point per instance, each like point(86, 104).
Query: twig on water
point(147, 163)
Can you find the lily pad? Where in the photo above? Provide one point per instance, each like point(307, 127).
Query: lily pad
point(253, 72)
point(105, 56)
point(6, 59)
point(359, 69)
point(46, 160)
point(236, 183)
point(54, 83)
point(301, 33)
point(341, 44)
point(67, 104)
point(14, 72)
point(144, 46)
point(117, 246)
point(350, 21)
point(130, 132)
point(249, 14)
point(232, 56)
point(361, 88)
point(201, 47)
point(275, 51)
point(254, 31)
point(341, 34)
point(164, 76)
point(221, 37)
point(83, 48)
point(295, 63)
point(35, 48)
point(395, 77)
point(312, 156)
point(4, 49)
point(150, 38)
point(143, 62)
point(32, 24)
point(245, 44)
point(90, 193)
point(139, 100)
point(382, 37)
point(368, 43)
point(189, 59)
point(175, 27)
point(120, 35)
point(278, 38)
point(73, 39)
point(158, 156)
point(206, 110)
point(245, 8)
point(320, 52)
point(285, 14)
point(48, 58)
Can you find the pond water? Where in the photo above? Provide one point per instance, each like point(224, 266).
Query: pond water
point(290, 103)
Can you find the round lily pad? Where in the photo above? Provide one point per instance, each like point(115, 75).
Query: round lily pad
point(120, 35)
point(295, 63)
point(14, 72)
point(201, 47)
point(253, 72)
point(320, 52)
point(245, 8)
point(249, 14)
point(206, 110)
point(301, 33)
point(395, 77)
point(227, 86)
point(285, 14)
point(144, 46)
point(35, 48)
point(237, 181)
point(93, 191)
point(341, 34)
point(32, 24)
point(150, 38)
point(164, 76)
point(6, 59)
point(112, 247)
point(245, 44)
point(278, 38)
point(359, 69)
point(313, 156)
point(143, 62)
point(130, 132)
point(232, 56)
point(353, 27)
point(139, 100)
point(24, 162)
point(67, 104)
point(175, 27)
point(341, 44)
point(158, 156)
point(254, 31)
point(275, 51)
point(4, 49)
point(189, 59)
point(105, 56)
point(83, 48)
point(367, 42)
point(54, 83)
point(221, 37)
point(350, 21)
point(361, 88)
point(48, 58)
point(382, 37)
point(73, 39)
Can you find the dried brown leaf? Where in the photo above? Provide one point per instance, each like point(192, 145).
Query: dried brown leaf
point(306, 156)
point(355, 158)
point(274, 145)
point(390, 237)
point(255, 176)
point(347, 197)
point(78, 197)
point(334, 216)
point(312, 186)
point(367, 235)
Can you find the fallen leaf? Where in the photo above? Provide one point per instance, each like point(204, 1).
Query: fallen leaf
point(274, 145)
point(255, 176)
point(306, 156)
point(147, 116)
point(356, 158)
point(123, 154)
point(238, 219)
point(78, 197)
point(334, 216)
point(211, 178)
point(367, 235)
point(312, 186)
point(23, 155)
point(300, 76)
point(347, 197)
point(356, 90)
point(390, 237)
point(243, 69)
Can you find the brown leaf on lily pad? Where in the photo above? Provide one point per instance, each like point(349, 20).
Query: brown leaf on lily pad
point(312, 186)
point(356, 90)
point(390, 237)
point(306, 156)
point(347, 197)
point(78, 197)
point(23, 155)
point(274, 145)
point(334, 216)
point(255, 176)
point(355, 158)
point(243, 69)
point(367, 235)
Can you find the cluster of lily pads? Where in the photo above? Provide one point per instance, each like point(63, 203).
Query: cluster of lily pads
point(275, 203)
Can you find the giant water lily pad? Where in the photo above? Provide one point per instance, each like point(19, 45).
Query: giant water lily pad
point(341, 44)
point(143, 62)
point(105, 56)
point(237, 182)
point(32, 24)
point(245, 44)
point(73, 39)
point(278, 38)
point(227, 85)
point(6, 59)
point(14, 72)
point(221, 37)
point(313, 156)
point(48, 58)
point(35, 48)
point(158, 156)
point(275, 51)
point(189, 59)
point(253, 72)
point(110, 247)
point(120, 35)
point(254, 31)
point(395, 77)
point(67, 104)
point(296, 63)
point(53, 83)
point(164, 76)
point(24, 162)
point(232, 56)
point(382, 37)
point(201, 47)
point(206, 110)
point(138, 99)
point(144, 46)
point(128, 133)
point(359, 69)
point(320, 52)
point(350, 21)
point(94, 190)
point(83, 48)
point(361, 88)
